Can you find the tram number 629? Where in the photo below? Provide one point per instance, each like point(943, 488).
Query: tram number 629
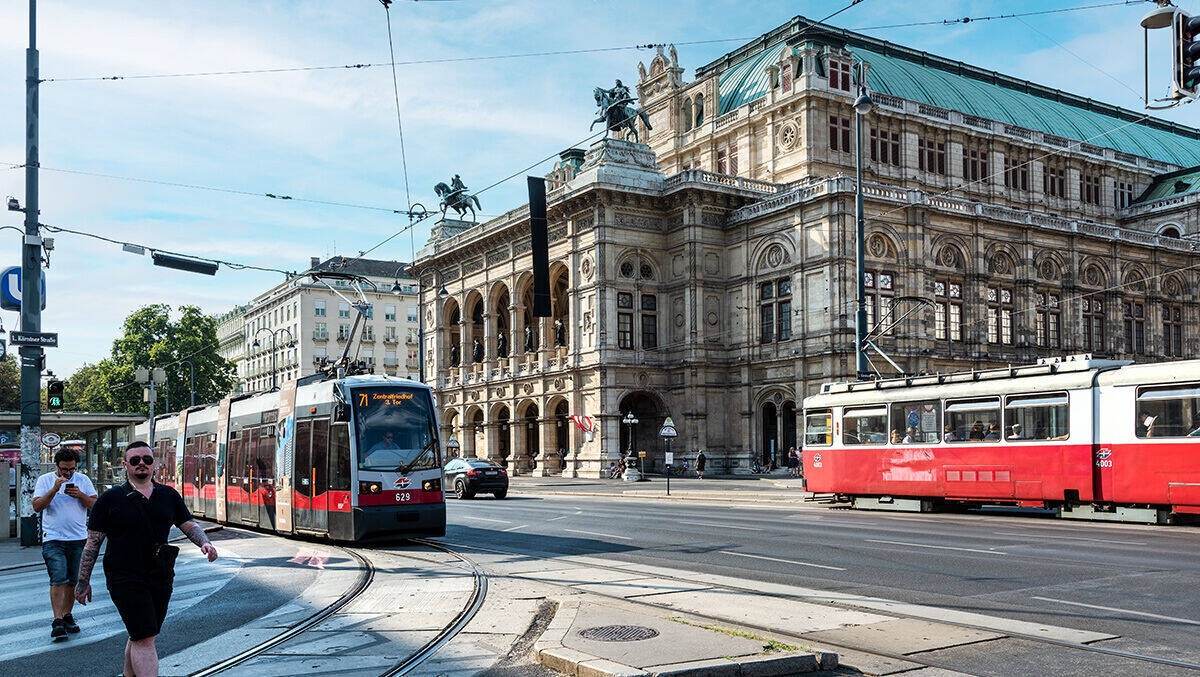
point(403, 497)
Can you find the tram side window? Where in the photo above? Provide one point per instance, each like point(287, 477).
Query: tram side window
point(1169, 411)
point(818, 429)
point(916, 422)
point(973, 420)
point(339, 457)
point(1037, 417)
point(864, 426)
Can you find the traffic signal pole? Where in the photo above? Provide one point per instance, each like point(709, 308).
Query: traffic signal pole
point(31, 299)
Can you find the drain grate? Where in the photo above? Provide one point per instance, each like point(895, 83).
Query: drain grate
point(618, 633)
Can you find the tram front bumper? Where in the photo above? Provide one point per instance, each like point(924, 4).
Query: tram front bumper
point(421, 519)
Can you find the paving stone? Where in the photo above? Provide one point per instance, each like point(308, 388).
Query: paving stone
point(904, 635)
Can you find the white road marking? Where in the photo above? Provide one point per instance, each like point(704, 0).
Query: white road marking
point(1124, 611)
point(776, 559)
point(560, 517)
point(519, 526)
point(1071, 538)
point(717, 524)
point(485, 519)
point(938, 547)
point(596, 533)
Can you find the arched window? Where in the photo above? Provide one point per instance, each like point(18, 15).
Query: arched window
point(699, 110)
point(1170, 231)
point(687, 115)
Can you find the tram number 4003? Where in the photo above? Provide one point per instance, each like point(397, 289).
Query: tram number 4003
point(403, 497)
point(1104, 458)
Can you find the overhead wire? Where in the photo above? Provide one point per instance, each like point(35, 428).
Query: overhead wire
point(387, 9)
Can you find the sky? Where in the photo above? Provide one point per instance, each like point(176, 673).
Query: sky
point(332, 134)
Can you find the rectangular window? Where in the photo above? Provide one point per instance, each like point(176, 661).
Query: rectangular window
point(839, 134)
point(1000, 315)
point(785, 77)
point(1093, 324)
point(1047, 320)
point(916, 422)
point(973, 420)
point(931, 156)
point(948, 310)
point(1135, 327)
point(1016, 173)
point(839, 75)
point(785, 320)
point(1172, 331)
point(974, 164)
point(721, 161)
point(625, 330)
point(879, 287)
point(1122, 194)
point(319, 308)
point(343, 309)
point(867, 425)
point(1054, 182)
point(775, 311)
point(389, 313)
point(412, 314)
point(319, 352)
point(767, 313)
point(649, 331)
point(1168, 411)
point(818, 429)
point(1036, 417)
point(885, 147)
point(1089, 188)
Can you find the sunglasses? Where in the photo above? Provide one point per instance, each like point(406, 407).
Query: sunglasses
point(140, 460)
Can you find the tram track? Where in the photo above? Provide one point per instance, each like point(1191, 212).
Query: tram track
point(911, 658)
point(362, 585)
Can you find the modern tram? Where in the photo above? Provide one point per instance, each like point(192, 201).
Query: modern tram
point(1090, 438)
point(344, 458)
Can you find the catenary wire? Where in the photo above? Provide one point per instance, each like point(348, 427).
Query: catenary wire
point(387, 9)
point(1091, 65)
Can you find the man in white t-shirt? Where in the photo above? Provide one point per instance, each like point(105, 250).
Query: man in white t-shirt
point(63, 497)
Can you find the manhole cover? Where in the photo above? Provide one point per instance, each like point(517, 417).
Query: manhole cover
point(618, 633)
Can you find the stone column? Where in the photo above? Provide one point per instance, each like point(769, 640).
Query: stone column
point(491, 436)
point(518, 456)
point(548, 461)
point(468, 440)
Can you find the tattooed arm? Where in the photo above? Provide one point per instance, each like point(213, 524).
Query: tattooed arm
point(91, 551)
point(196, 535)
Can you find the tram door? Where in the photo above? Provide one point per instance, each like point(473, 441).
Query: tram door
point(249, 452)
point(311, 504)
point(234, 472)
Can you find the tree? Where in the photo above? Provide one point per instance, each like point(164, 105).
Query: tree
point(151, 339)
point(10, 384)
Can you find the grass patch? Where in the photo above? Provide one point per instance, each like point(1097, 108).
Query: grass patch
point(768, 643)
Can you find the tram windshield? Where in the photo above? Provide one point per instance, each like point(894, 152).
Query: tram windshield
point(395, 428)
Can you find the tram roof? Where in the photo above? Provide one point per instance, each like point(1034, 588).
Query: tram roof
point(1149, 374)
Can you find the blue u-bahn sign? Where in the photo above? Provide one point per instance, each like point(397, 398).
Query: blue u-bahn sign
point(10, 289)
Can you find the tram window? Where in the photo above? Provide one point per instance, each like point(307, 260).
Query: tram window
point(864, 426)
point(1168, 411)
point(339, 457)
point(916, 422)
point(320, 454)
point(818, 429)
point(303, 474)
point(973, 420)
point(1037, 417)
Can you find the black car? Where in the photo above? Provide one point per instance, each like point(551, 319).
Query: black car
point(470, 476)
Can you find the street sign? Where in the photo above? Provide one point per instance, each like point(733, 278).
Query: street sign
point(669, 458)
point(10, 289)
point(4, 438)
point(668, 429)
point(44, 339)
point(51, 439)
point(641, 454)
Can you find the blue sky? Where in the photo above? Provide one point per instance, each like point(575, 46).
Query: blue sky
point(331, 135)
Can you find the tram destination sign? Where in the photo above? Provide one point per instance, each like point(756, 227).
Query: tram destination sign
point(34, 338)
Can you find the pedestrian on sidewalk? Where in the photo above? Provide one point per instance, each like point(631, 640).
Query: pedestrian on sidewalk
point(792, 461)
point(701, 460)
point(139, 565)
point(63, 497)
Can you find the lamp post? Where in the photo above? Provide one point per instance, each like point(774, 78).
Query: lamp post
point(862, 106)
point(452, 446)
point(442, 293)
point(274, 333)
point(632, 473)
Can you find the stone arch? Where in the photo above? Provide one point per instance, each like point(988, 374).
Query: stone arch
point(499, 302)
point(450, 336)
point(1093, 274)
point(635, 264)
point(450, 426)
point(688, 119)
point(1002, 261)
point(949, 253)
point(1171, 230)
point(473, 324)
point(1049, 266)
point(1134, 279)
point(523, 315)
point(500, 432)
point(772, 254)
point(560, 305)
point(882, 246)
point(558, 408)
point(698, 109)
point(473, 439)
point(650, 409)
point(775, 424)
point(1174, 288)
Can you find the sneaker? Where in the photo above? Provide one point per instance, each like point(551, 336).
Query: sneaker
point(57, 629)
point(69, 623)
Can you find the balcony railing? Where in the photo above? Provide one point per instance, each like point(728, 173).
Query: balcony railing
point(390, 339)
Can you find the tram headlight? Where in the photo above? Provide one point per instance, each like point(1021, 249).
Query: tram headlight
point(432, 485)
point(369, 487)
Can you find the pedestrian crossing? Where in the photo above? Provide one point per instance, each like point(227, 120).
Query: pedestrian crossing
point(26, 615)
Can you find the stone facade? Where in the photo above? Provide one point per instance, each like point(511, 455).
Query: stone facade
point(720, 292)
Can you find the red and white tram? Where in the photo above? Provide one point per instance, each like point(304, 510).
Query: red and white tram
point(1095, 439)
point(345, 458)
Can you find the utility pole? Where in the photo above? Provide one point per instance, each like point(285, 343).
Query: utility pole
point(31, 298)
point(862, 106)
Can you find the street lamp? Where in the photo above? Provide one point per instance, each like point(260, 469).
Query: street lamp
point(274, 334)
point(632, 473)
point(862, 106)
point(442, 293)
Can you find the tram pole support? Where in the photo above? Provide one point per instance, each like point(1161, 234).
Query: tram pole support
point(862, 106)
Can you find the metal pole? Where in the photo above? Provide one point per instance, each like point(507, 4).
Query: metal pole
point(860, 315)
point(31, 298)
point(153, 397)
point(421, 329)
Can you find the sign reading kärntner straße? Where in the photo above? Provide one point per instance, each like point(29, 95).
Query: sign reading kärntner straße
point(33, 338)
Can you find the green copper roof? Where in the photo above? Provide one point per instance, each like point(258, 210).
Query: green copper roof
point(941, 82)
point(1181, 182)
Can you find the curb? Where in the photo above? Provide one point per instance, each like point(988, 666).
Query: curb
point(551, 653)
point(779, 501)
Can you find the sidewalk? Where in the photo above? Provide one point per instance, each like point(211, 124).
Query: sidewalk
point(758, 488)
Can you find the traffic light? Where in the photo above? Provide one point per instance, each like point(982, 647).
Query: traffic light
point(54, 395)
point(1185, 54)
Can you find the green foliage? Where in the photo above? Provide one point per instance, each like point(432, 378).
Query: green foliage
point(10, 384)
point(151, 339)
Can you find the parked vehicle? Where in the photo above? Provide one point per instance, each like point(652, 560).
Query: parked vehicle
point(470, 476)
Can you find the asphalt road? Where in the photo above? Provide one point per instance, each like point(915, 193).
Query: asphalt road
point(1139, 582)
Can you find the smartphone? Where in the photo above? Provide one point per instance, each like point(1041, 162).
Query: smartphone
point(70, 485)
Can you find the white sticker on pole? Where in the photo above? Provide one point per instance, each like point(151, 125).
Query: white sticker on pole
point(51, 439)
point(670, 457)
point(668, 429)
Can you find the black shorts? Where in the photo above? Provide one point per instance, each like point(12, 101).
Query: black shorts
point(142, 605)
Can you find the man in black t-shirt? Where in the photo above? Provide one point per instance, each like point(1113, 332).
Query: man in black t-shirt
point(136, 518)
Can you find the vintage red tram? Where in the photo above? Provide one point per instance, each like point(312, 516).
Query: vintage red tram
point(1093, 439)
point(345, 458)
